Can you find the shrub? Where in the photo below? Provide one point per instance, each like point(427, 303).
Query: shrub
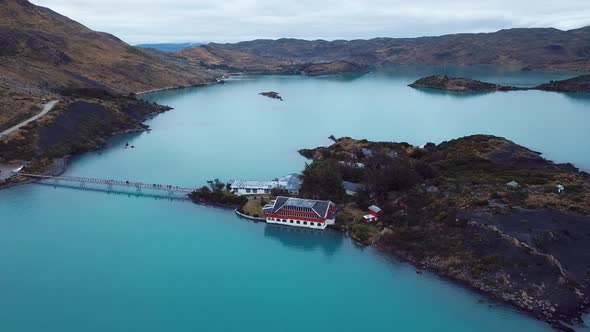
point(363, 232)
point(442, 215)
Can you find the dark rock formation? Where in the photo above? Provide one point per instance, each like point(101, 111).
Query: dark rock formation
point(272, 94)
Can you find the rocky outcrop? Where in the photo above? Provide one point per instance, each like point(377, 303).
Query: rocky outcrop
point(272, 94)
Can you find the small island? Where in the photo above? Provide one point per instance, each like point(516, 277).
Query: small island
point(579, 84)
point(443, 82)
point(333, 68)
point(272, 94)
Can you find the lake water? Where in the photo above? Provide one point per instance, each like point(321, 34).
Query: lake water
point(85, 260)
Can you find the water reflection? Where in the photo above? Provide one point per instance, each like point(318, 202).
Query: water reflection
point(305, 239)
point(347, 77)
point(455, 94)
point(582, 98)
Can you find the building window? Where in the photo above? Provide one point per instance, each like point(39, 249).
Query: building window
point(267, 191)
point(312, 223)
point(305, 222)
point(291, 221)
point(255, 191)
point(298, 222)
point(248, 190)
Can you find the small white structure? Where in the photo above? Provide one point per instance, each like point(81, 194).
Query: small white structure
point(18, 169)
point(290, 183)
point(513, 185)
point(560, 188)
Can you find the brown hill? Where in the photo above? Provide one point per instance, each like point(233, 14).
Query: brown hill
point(235, 61)
point(539, 48)
point(42, 51)
point(46, 55)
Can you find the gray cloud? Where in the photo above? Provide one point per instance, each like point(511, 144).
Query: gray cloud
point(139, 21)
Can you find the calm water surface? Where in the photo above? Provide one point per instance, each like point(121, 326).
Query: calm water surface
point(84, 260)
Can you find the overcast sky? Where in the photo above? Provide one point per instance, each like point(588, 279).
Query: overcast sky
point(149, 21)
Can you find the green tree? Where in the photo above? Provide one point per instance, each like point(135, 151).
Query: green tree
point(322, 180)
point(216, 185)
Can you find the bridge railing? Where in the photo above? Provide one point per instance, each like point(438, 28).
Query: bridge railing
point(111, 182)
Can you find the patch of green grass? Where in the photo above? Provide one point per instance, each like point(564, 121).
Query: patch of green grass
point(364, 233)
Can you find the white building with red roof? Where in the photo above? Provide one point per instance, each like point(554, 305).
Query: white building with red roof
point(299, 212)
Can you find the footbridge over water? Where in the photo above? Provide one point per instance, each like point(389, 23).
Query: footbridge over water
point(82, 181)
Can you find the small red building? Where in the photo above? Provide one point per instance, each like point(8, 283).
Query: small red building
point(373, 215)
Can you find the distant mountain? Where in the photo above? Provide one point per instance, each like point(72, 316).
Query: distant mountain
point(530, 49)
point(168, 47)
point(235, 61)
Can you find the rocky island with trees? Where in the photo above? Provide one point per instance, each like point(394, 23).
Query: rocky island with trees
point(579, 84)
point(479, 210)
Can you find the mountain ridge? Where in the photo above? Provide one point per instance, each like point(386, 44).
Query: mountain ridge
point(529, 48)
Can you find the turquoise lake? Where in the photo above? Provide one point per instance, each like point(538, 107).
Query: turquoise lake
point(86, 260)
